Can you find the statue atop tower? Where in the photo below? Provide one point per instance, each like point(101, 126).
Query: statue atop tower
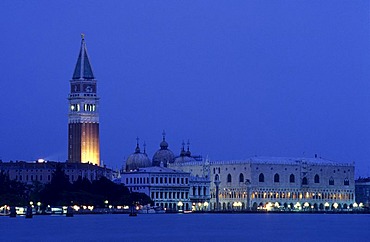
point(83, 115)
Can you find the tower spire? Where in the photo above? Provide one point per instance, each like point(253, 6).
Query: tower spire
point(144, 145)
point(188, 153)
point(163, 144)
point(137, 150)
point(164, 135)
point(83, 69)
point(183, 149)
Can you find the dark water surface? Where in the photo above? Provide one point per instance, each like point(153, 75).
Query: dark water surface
point(188, 227)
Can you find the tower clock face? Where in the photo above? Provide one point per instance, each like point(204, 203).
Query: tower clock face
point(75, 88)
point(89, 88)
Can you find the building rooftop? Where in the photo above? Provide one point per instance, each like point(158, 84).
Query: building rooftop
point(157, 169)
point(363, 180)
point(273, 160)
point(47, 165)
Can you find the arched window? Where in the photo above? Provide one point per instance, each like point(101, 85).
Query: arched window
point(261, 178)
point(276, 178)
point(331, 181)
point(304, 181)
point(317, 179)
point(292, 178)
point(346, 182)
point(217, 177)
point(241, 177)
point(228, 178)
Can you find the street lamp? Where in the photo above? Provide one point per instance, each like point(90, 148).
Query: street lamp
point(39, 207)
point(180, 204)
point(205, 204)
point(326, 205)
point(297, 206)
point(335, 205)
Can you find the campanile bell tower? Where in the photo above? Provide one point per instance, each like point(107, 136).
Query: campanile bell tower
point(83, 115)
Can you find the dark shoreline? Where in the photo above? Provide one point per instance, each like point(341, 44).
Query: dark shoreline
point(283, 212)
point(227, 212)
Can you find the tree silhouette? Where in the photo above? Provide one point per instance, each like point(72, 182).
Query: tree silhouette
point(12, 192)
point(57, 192)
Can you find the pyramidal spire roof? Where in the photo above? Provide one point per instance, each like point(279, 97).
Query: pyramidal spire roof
point(83, 68)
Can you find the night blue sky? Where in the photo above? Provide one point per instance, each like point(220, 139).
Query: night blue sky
point(237, 78)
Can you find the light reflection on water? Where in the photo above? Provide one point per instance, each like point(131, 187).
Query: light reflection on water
point(188, 227)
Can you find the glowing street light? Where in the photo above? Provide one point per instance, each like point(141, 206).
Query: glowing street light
point(268, 206)
point(297, 206)
point(205, 204)
point(106, 203)
point(180, 204)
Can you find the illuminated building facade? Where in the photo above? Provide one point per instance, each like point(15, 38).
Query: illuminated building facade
point(171, 189)
point(83, 116)
point(277, 183)
point(167, 188)
point(42, 171)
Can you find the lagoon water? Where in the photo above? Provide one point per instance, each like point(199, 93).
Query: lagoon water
point(188, 227)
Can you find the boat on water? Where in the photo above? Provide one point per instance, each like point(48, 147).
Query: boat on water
point(151, 210)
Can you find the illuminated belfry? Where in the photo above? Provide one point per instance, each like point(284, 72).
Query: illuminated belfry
point(83, 115)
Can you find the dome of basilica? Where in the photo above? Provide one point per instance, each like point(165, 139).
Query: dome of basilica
point(183, 159)
point(137, 160)
point(163, 154)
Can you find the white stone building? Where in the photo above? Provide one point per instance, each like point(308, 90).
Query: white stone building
point(200, 193)
point(276, 183)
point(168, 188)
